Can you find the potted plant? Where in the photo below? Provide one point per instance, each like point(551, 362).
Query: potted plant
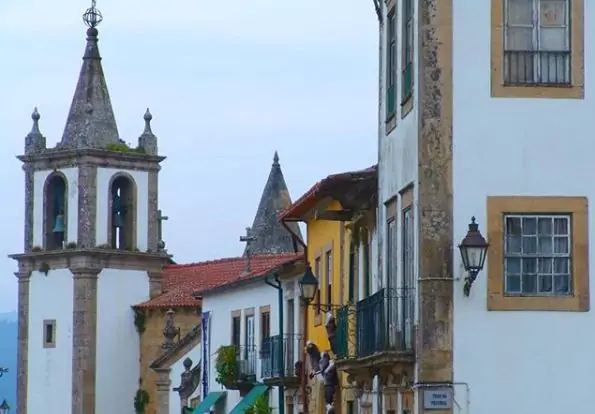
point(261, 406)
point(226, 365)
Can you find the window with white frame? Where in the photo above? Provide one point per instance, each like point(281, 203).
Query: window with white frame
point(537, 42)
point(537, 256)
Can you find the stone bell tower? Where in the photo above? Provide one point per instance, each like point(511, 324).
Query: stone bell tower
point(91, 251)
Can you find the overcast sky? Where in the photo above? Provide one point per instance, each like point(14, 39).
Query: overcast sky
point(228, 83)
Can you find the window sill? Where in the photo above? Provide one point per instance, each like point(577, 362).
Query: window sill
point(538, 303)
point(538, 91)
point(406, 106)
point(391, 123)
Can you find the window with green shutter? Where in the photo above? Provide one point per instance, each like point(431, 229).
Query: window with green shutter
point(407, 48)
point(391, 66)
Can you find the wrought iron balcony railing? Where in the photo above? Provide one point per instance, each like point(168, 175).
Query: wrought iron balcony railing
point(537, 67)
point(381, 322)
point(280, 355)
point(246, 358)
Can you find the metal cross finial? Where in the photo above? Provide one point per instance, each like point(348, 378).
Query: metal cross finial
point(160, 219)
point(248, 239)
point(92, 16)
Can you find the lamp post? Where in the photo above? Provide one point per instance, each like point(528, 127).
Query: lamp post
point(4, 407)
point(308, 285)
point(276, 283)
point(473, 249)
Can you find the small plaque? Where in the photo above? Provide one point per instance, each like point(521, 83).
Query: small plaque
point(437, 399)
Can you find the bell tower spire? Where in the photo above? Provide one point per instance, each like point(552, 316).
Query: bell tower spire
point(91, 122)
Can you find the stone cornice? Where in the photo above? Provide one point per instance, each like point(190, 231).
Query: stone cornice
point(92, 260)
point(55, 159)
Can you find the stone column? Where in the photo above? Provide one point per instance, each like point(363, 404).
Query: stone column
point(434, 345)
point(87, 206)
point(163, 383)
point(152, 228)
point(29, 189)
point(84, 340)
point(24, 277)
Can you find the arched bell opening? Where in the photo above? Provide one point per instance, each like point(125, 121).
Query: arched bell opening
point(55, 217)
point(122, 217)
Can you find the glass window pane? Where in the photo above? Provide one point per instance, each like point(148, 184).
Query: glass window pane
point(519, 38)
point(513, 284)
point(529, 265)
point(561, 265)
point(545, 245)
point(513, 226)
point(561, 244)
point(520, 12)
point(513, 244)
point(545, 283)
point(560, 225)
point(545, 226)
point(552, 12)
point(562, 283)
point(529, 244)
point(529, 283)
point(545, 265)
point(513, 266)
point(529, 225)
point(552, 39)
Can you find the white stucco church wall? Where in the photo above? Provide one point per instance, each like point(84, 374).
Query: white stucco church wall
point(118, 347)
point(50, 382)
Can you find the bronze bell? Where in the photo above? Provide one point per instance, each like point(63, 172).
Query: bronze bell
point(59, 224)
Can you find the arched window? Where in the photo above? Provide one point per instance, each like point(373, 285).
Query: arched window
point(55, 212)
point(122, 220)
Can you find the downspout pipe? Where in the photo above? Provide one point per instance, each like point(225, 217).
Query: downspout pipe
point(303, 379)
point(281, 389)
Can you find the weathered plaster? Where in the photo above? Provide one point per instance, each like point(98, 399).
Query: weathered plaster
point(434, 351)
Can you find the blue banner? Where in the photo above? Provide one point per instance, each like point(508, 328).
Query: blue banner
point(205, 341)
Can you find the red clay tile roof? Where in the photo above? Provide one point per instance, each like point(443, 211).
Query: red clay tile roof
point(181, 281)
point(319, 190)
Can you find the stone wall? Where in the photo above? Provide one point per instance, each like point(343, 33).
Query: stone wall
point(151, 341)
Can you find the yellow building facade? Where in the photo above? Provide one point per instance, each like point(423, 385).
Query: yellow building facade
point(330, 209)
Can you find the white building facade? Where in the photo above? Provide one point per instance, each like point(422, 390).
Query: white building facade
point(477, 101)
point(245, 315)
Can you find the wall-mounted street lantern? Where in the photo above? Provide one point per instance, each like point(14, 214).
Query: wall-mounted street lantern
point(474, 248)
point(308, 285)
point(4, 407)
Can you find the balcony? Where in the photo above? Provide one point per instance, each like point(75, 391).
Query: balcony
point(377, 336)
point(280, 360)
point(243, 375)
